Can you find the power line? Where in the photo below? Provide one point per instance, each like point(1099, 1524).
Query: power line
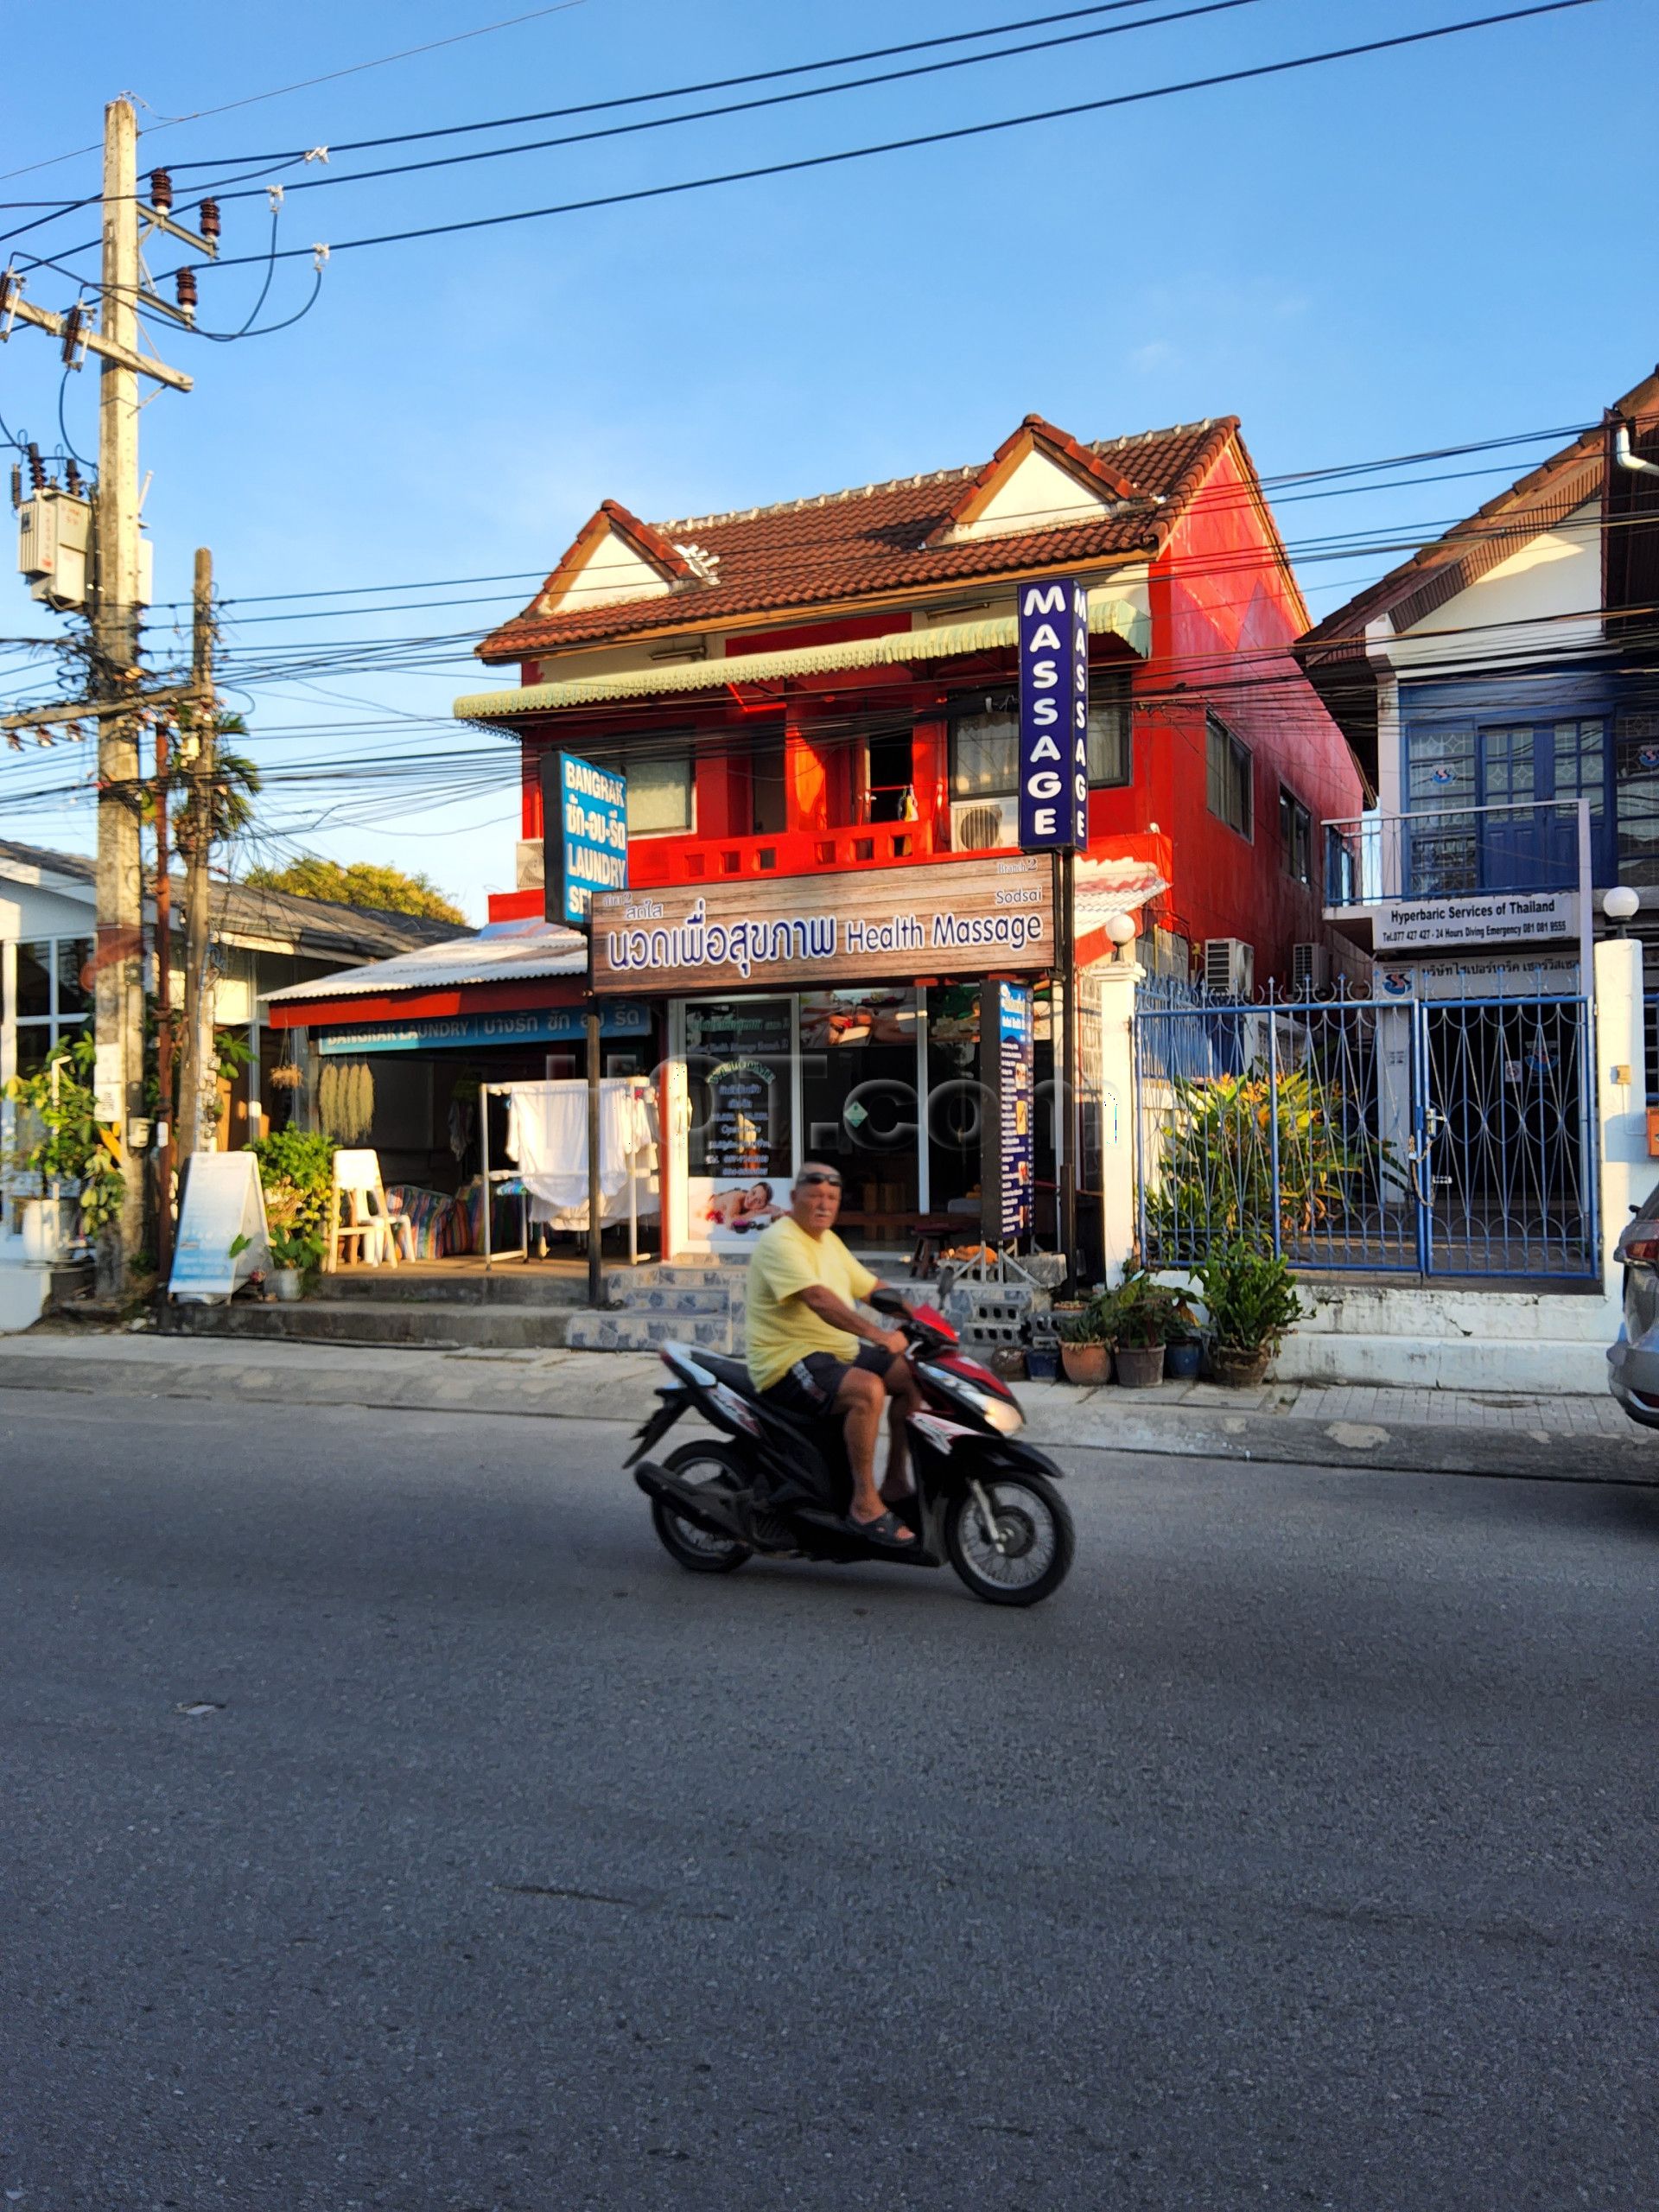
point(959, 133)
point(717, 83)
point(306, 84)
point(744, 107)
point(658, 123)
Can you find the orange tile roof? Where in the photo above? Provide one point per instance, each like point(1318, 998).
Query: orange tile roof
point(872, 542)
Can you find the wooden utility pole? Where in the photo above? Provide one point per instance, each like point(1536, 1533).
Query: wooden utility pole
point(115, 593)
point(163, 1134)
point(200, 1061)
point(118, 1001)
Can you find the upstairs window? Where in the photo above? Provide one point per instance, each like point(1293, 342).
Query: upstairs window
point(661, 797)
point(1229, 779)
point(1295, 836)
point(984, 754)
point(985, 747)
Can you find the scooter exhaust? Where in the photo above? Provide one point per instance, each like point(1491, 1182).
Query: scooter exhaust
point(697, 1506)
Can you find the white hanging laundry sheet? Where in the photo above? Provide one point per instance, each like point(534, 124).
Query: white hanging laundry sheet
point(547, 1137)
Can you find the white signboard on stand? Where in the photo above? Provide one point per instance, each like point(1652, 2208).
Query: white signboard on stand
point(1488, 918)
point(223, 1205)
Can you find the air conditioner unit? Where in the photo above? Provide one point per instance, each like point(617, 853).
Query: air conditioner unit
point(55, 536)
point(980, 825)
point(1310, 967)
point(1229, 967)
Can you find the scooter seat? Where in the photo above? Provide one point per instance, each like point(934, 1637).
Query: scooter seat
point(734, 1373)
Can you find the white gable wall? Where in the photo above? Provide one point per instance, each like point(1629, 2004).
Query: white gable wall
point(1545, 598)
point(1036, 494)
point(611, 574)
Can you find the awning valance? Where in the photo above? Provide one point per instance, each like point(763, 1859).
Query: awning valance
point(1111, 612)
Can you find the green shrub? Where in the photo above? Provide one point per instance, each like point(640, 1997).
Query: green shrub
point(1250, 1296)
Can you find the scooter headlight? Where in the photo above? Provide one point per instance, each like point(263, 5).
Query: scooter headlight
point(1000, 1413)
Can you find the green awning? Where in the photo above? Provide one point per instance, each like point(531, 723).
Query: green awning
point(1110, 614)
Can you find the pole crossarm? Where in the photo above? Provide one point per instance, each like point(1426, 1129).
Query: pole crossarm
point(13, 307)
point(87, 710)
point(152, 218)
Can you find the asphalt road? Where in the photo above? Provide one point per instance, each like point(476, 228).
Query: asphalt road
point(386, 1821)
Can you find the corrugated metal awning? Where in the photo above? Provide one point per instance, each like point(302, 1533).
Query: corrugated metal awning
point(503, 953)
point(1112, 613)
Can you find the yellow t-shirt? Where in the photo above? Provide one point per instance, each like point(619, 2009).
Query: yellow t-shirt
point(785, 1262)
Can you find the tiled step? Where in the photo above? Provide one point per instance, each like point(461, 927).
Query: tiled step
point(377, 1321)
point(631, 1331)
point(711, 1298)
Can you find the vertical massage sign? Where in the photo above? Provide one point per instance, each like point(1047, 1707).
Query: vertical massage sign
point(1053, 717)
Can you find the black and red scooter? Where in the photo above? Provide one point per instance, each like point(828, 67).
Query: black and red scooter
point(772, 1483)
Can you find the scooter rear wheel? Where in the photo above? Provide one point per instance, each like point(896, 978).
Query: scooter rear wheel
point(1033, 1552)
point(697, 1550)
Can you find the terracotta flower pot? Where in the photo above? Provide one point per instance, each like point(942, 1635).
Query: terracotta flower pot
point(1139, 1367)
point(1238, 1368)
point(1087, 1364)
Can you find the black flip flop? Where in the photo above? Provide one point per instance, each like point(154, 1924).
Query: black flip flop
point(886, 1529)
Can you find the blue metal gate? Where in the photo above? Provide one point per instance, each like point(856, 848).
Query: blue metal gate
point(1438, 1137)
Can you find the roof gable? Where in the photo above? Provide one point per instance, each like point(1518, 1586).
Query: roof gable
point(1533, 505)
point(1038, 479)
point(616, 558)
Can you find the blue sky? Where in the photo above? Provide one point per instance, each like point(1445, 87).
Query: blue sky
point(1374, 257)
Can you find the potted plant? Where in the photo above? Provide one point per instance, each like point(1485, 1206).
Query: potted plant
point(1141, 1314)
point(1184, 1350)
point(294, 1252)
point(295, 1173)
point(1250, 1297)
point(60, 1139)
point(1085, 1345)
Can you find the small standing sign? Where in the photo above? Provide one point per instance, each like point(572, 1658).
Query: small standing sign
point(222, 1237)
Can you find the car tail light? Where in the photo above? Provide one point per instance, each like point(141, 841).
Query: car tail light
point(1644, 1250)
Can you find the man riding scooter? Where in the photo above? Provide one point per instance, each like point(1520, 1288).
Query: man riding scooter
point(811, 1351)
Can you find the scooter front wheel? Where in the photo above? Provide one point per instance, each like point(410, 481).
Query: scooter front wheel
point(1025, 1553)
point(698, 1550)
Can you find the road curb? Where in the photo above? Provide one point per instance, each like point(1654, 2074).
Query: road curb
point(1091, 1422)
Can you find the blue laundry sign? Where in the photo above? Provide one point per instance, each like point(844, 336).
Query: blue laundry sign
point(1053, 716)
point(585, 834)
point(540, 1025)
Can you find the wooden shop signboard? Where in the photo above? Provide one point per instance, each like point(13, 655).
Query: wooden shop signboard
point(993, 915)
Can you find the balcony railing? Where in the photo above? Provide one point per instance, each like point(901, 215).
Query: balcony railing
point(1530, 845)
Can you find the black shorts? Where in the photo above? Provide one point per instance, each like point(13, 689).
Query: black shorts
point(811, 1385)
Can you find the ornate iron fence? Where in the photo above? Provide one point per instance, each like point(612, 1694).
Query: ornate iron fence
point(1406, 1135)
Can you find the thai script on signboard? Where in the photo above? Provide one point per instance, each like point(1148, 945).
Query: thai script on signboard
point(1015, 1033)
point(655, 943)
point(586, 847)
point(1053, 716)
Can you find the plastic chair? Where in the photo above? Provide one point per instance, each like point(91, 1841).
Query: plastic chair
point(359, 1214)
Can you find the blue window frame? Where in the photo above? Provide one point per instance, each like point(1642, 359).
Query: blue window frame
point(1525, 764)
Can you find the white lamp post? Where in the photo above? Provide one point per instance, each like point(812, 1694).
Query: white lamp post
point(1620, 904)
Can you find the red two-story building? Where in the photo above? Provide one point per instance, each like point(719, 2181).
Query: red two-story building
point(814, 704)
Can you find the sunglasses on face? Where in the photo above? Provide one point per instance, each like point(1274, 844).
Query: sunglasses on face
point(808, 1182)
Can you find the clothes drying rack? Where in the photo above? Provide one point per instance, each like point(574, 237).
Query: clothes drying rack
point(491, 1176)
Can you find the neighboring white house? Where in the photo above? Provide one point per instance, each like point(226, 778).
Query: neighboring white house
point(260, 940)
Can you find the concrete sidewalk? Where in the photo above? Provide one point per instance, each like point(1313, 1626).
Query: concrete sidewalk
point(1558, 1439)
